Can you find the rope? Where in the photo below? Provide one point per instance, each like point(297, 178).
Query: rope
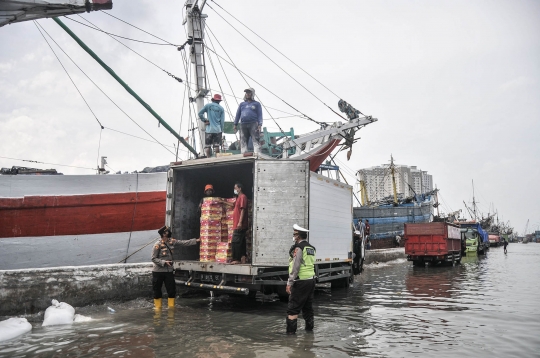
point(99, 146)
point(65, 70)
point(133, 217)
point(138, 54)
point(117, 106)
point(134, 252)
point(125, 22)
point(278, 66)
point(35, 161)
point(294, 63)
point(122, 37)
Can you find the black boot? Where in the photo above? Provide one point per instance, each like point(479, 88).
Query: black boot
point(291, 326)
point(310, 323)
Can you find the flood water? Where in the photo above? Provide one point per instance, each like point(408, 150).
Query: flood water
point(485, 307)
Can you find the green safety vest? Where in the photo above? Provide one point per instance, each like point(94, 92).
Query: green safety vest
point(307, 267)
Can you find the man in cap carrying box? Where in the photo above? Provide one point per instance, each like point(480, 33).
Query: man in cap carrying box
point(301, 283)
point(249, 117)
point(214, 124)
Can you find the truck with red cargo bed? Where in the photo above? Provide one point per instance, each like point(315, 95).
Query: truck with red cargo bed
point(435, 242)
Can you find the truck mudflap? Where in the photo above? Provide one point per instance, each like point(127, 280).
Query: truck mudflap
point(219, 288)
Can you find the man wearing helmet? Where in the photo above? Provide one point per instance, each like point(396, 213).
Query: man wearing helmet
point(214, 124)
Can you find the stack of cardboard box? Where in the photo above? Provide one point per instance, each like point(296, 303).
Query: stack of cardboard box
point(211, 213)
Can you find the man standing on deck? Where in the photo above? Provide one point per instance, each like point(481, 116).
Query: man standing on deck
point(214, 124)
point(162, 257)
point(240, 224)
point(301, 283)
point(249, 116)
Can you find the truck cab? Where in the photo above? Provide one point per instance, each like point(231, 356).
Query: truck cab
point(476, 239)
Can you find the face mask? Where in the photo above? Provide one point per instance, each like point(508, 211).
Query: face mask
point(294, 239)
point(235, 192)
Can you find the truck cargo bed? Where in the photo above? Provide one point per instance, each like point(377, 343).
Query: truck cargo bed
point(432, 239)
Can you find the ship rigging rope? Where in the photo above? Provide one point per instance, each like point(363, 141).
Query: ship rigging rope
point(269, 44)
point(35, 161)
point(67, 73)
point(258, 83)
point(77, 88)
point(125, 22)
point(138, 54)
point(122, 37)
point(95, 84)
point(219, 84)
point(133, 216)
point(278, 66)
point(305, 115)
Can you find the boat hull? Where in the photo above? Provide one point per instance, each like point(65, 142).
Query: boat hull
point(50, 221)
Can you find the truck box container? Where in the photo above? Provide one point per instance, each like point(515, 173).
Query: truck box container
point(434, 242)
point(283, 193)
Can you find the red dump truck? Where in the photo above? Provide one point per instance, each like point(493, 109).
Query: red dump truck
point(435, 242)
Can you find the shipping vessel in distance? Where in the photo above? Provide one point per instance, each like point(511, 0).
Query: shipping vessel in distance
point(105, 219)
point(388, 216)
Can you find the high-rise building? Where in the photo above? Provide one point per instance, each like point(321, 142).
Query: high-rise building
point(409, 181)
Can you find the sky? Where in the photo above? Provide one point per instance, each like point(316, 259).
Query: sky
point(455, 86)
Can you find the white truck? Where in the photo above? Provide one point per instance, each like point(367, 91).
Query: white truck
point(283, 192)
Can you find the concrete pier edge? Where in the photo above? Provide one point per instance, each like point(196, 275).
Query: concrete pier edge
point(29, 291)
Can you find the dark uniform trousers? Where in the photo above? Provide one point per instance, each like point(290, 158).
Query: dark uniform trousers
point(301, 299)
point(238, 244)
point(157, 281)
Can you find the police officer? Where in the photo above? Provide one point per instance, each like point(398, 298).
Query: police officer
point(162, 257)
point(301, 283)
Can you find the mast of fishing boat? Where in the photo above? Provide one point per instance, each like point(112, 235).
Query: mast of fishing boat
point(363, 189)
point(393, 171)
point(195, 21)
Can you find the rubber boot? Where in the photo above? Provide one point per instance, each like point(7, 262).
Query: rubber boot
point(170, 301)
point(291, 326)
point(310, 323)
point(157, 303)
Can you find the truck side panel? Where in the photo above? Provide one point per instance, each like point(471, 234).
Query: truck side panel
point(280, 200)
point(330, 217)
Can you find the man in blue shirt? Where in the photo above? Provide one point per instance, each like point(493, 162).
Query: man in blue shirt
point(214, 124)
point(249, 116)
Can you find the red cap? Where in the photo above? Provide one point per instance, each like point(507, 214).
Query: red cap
point(217, 97)
point(208, 186)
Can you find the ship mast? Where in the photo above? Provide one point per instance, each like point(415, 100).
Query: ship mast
point(474, 201)
point(393, 171)
point(195, 20)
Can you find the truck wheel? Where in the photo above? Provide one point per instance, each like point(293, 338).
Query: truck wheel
point(283, 298)
point(252, 294)
point(340, 283)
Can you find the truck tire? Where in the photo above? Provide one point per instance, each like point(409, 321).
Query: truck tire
point(419, 263)
point(340, 283)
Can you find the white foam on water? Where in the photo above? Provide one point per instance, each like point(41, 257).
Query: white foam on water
point(59, 313)
point(376, 265)
point(81, 318)
point(13, 327)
